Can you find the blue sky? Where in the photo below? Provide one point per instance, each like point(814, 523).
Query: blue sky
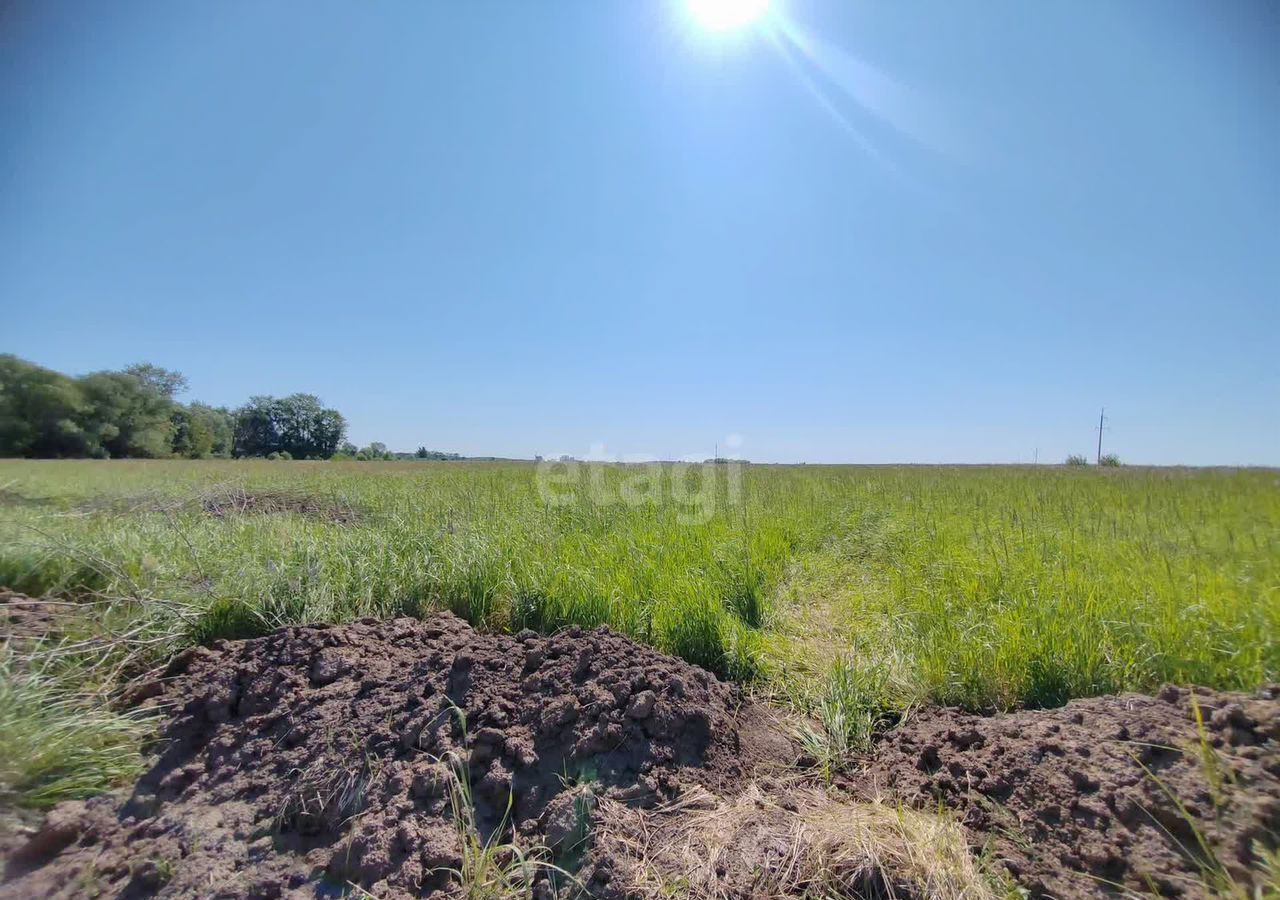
point(853, 231)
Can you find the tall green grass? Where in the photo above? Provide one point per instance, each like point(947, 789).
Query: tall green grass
point(986, 587)
point(56, 743)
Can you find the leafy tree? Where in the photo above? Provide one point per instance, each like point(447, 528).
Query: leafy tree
point(376, 450)
point(188, 438)
point(297, 424)
point(201, 431)
point(133, 413)
point(1076, 459)
point(40, 411)
point(1109, 459)
point(257, 431)
point(221, 426)
point(298, 416)
point(424, 453)
point(127, 416)
point(327, 431)
point(164, 381)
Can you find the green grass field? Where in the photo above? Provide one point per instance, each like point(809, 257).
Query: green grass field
point(855, 592)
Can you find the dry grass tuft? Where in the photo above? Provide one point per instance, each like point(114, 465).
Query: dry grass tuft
point(230, 500)
point(330, 791)
point(791, 842)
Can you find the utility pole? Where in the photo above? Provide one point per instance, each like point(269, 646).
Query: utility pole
point(1102, 418)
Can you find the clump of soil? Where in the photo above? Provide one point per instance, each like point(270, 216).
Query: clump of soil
point(318, 757)
point(24, 618)
point(222, 503)
point(1125, 790)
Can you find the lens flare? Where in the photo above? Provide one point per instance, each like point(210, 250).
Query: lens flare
point(724, 15)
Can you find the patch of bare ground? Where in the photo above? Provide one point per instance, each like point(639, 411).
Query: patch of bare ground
point(1177, 794)
point(24, 618)
point(333, 756)
point(422, 758)
point(227, 501)
point(231, 501)
point(101, 632)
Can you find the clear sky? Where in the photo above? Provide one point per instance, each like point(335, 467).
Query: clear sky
point(850, 231)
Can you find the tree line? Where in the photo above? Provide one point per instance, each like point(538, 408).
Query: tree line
point(378, 451)
point(134, 412)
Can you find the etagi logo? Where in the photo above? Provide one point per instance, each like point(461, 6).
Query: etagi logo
point(696, 484)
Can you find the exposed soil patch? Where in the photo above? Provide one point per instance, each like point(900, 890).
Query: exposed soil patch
point(302, 763)
point(1077, 798)
point(317, 757)
point(24, 618)
point(222, 503)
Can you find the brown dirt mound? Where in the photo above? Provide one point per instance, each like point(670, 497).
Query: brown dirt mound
point(312, 758)
point(24, 618)
point(1079, 798)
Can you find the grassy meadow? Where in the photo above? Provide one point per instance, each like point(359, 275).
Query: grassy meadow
point(851, 592)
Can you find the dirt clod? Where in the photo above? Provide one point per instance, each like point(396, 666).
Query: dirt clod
point(325, 756)
point(1123, 790)
point(24, 618)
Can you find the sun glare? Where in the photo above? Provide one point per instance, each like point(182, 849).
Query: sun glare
point(723, 15)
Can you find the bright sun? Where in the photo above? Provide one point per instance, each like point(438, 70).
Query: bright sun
point(722, 15)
